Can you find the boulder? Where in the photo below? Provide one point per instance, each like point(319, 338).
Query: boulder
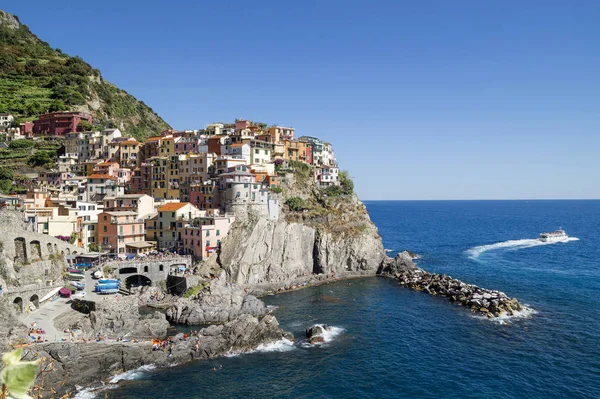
point(315, 333)
point(221, 302)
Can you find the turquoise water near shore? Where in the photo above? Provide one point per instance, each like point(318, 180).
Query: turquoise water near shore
point(393, 342)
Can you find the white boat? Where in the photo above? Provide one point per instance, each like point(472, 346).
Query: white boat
point(50, 294)
point(554, 236)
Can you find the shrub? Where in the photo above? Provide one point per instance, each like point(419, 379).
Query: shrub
point(276, 190)
point(295, 204)
point(40, 158)
point(20, 144)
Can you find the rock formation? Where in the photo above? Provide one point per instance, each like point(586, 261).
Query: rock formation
point(315, 333)
point(336, 237)
point(83, 364)
point(113, 318)
point(218, 302)
point(489, 303)
point(10, 326)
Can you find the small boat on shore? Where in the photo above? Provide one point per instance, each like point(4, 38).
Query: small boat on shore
point(554, 236)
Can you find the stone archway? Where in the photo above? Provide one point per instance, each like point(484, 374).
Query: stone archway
point(35, 300)
point(137, 280)
point(55, 248)
point(68, 250)
point(49, 247)
point(36, 249)
point(20, 250)
point(18, 304)
point(128, 270)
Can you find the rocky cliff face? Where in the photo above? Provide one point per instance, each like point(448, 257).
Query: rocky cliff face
point(113, 318)
point(330, 236)
point(218, 302)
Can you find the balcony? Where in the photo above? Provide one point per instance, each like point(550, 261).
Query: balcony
point(131, 221)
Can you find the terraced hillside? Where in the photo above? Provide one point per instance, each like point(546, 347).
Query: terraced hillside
point(35, 78)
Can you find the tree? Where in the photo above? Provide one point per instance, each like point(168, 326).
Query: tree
point(346, 183)
point(84, 126)
point(40, 158)
point(6, 173)
point(6, 186)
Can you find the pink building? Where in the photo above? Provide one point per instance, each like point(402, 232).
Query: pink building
point(116, 229)
point(203, 236)
point(55, 179)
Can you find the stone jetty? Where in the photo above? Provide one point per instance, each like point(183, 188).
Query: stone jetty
point(489, 303)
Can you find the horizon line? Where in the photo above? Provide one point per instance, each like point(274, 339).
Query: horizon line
point(490, 199)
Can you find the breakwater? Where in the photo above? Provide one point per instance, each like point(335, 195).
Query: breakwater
point(490, 303)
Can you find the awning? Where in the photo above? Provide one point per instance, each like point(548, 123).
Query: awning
point(139, 245)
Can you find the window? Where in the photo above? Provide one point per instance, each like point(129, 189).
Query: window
point(145, 269)
point(207, 243)
point(105, 218)
point(208, 233)
point(172, 214)
point(218, 232)
point(104, 229)
point(160, 268)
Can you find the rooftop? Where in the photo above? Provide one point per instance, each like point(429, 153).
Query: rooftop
point(121, 213)
point(172, 206)
point(98, 176)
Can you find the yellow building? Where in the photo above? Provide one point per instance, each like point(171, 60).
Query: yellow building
point(129, 153)
point(165, 177)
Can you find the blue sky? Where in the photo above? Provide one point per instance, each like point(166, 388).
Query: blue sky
point(422, 100)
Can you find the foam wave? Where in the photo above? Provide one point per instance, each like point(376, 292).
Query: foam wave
point(283, 345)
point(389, 250)
point(513, 245)
point(132, 374)
point(526, 313)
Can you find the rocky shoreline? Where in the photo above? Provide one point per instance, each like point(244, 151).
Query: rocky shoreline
point(86, 364)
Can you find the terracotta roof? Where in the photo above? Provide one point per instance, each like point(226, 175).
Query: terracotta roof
point(172, 206)
point(105, 163)
point(237, 145)
point(98, 176)
point(129, 141)
point(154, 138)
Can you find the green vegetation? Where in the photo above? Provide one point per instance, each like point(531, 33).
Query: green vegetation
point(35, 78)
point(17, 377)
point(276, 190)
point(296, 204)
point(6, 179)
point(194, 291)
point(40, 158)
point(346, 186)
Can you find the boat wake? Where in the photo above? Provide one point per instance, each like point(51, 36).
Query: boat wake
point(514, 245)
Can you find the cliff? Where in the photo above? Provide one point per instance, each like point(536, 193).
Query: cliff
point(35, 78)
point(316, 234)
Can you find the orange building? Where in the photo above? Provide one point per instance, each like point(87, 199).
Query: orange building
point(116, 229)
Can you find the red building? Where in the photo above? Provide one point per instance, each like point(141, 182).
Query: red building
point(59, 123)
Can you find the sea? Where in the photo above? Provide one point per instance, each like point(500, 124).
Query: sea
point(387, 341)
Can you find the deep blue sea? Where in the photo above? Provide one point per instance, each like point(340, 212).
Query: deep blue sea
point(392, 342)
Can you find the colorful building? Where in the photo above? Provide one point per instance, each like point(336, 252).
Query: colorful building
point(116, 229)
point(60, 123)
